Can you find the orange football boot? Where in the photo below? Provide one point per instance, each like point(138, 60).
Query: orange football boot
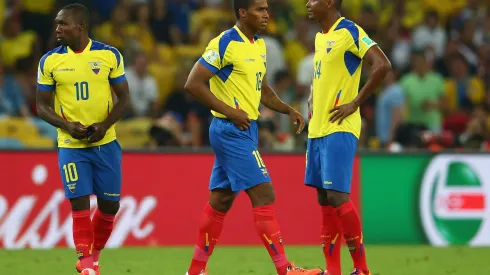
point(293, 270)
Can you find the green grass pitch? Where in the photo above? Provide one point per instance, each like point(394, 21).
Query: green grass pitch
point(383, 260)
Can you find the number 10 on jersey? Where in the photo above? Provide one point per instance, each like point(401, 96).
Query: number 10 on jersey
point(82, 90)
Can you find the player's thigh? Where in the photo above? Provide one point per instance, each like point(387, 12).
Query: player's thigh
point(238, 153)
point(76, 172)
point(313, 175)
point(338, 151)
point(106, 161)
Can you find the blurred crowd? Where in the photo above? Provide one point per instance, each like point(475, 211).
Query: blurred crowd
point(437, 97)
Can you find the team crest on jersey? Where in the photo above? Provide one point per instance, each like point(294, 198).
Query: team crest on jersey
point(95, 66)
point(330, 44)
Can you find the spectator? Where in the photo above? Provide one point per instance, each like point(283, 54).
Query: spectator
point(141, 30)
point(389, 110)
point(430, 34)
point(116, 31)
point(163, 24)
point(12, 102)
point(275, 56)
point(36, 16)
point(424, 93)
point(476, 131)
point(463, 90)
point(467, 47)
point(17, 44)
point(284, 89)
point(142, 88)
point(183, 120)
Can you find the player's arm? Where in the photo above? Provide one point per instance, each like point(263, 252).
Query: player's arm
point(380, 66)
point(44, 102)
point(122, 92)
point(270, 100)
point(197, 86)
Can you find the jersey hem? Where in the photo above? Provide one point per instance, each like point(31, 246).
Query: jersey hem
point(89, 145)
point(324, 135)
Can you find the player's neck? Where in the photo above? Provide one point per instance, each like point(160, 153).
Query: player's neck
point(249, 33)
point(81, 45)
point(328, 22)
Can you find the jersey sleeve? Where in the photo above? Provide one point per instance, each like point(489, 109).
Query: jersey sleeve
point(365, 43)
point(45, 80)
point(117, 74)
point(211, 58)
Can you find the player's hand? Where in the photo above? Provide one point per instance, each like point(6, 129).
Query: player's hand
point(96, 132)
point(76, 130)
point(342, 111)
point(240, 119)
point(296, 118)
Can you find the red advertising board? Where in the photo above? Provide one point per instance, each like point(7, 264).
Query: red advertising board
point(163, 197)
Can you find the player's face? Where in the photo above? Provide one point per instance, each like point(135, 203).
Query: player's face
point(317, 9)
point(67, 28)
point(258, 15)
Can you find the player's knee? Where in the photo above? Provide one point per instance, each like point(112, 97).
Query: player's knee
point(81, 203)
point(221, 203)
point(322, 196)
point(108, 207)
point(336, 198)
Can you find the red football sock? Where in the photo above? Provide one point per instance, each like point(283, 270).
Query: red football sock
point(83, 236)
point(351, 226)
point(102, 225)
point(210, 228)
point(268, 230)
point(331, 234)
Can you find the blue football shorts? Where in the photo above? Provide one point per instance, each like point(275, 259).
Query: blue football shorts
point(93, 170)
point(237, 164)
point(329, 161)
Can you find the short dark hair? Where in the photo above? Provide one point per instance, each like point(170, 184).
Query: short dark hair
point(81, 13)
point(338, 4)
point(240, 4)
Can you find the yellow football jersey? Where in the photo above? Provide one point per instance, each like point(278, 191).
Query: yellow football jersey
point(337, 73)
point(81, 83)
point(239, 66)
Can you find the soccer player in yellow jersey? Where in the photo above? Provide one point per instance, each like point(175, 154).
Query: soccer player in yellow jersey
point(234, 63)
point(335, 125)
point(74, 94)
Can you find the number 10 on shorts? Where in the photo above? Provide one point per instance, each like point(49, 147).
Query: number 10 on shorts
point(258, 158)
point(71, 173)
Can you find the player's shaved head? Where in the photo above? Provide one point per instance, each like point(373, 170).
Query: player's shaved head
point(241, 4)
point(80, 13)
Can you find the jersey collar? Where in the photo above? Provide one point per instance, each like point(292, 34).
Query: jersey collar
point(243, 36)
point(87, 48)
point(334, 26)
